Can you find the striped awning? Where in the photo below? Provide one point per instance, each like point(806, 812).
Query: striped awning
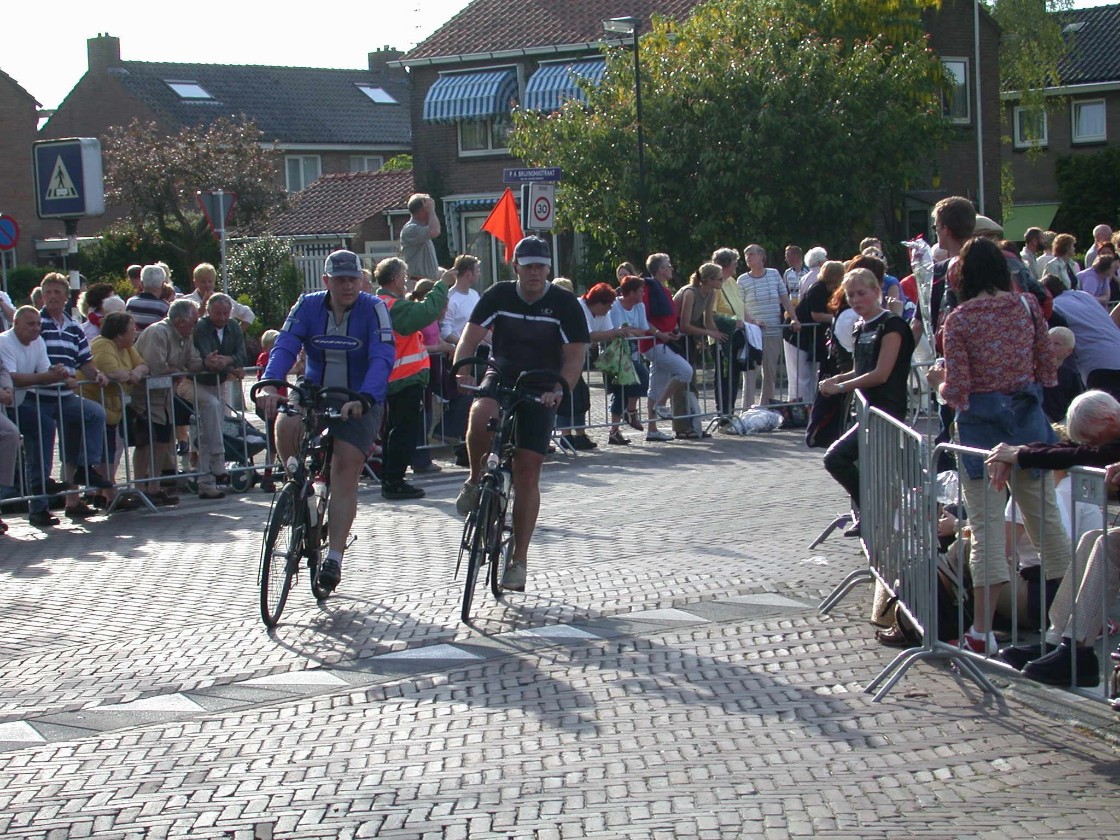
point(471, 96)
point(555, 83)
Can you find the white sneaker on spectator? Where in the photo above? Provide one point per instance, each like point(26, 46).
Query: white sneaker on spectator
point(657, 435)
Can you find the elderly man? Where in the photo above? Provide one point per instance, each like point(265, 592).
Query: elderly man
point(205, 278)
point(404, 415)
point(1101, 234)
point(416, 238)
point(1098, 339)
point(147, 306)
point(24, 354)
point(82, 420)
point(1032, 247)
point(1077, 613)
point(9, 436)
point(167, 348)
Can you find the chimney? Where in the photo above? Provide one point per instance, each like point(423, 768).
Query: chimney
point(379, 59)
point(104, 52)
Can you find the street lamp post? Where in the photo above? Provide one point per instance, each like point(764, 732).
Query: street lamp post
point(629, 26)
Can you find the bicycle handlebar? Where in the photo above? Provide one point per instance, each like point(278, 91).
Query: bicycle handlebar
point(309, 393)
point(549, 375)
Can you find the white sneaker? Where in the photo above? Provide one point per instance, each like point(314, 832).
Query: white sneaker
point(663, 411)
point(467, 500)
point(514, 578)
point(652, 437)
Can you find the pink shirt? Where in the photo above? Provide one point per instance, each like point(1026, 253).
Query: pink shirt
point(992, 344)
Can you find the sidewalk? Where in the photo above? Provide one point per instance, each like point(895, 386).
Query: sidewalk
point(667, 675)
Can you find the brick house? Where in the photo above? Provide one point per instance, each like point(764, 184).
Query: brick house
point(1081, 118)
point(461, 103)
point(323, 120)
point(19, 114)
point(360, 211)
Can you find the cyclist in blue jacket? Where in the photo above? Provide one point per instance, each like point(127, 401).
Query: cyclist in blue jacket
point(347, 337)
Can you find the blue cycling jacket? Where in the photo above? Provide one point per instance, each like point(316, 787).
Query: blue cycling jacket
point(367, 350)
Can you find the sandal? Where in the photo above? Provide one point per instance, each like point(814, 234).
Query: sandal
point(617, 439)
point(689, 435)
point(631, 418)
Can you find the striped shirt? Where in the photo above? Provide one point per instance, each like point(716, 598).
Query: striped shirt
point(146, 309)
point(763, 296)
point(66, 345)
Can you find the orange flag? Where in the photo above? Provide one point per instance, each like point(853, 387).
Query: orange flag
point(504, 223)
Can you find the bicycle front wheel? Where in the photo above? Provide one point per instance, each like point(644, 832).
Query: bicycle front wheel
point(502, 547)
point(280, 552)
point(486, 516)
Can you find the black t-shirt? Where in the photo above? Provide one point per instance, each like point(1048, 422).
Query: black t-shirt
point(813, 336)
point(891, 395)
point(529, 336)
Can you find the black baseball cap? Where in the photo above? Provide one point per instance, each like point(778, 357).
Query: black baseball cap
point(532, 250)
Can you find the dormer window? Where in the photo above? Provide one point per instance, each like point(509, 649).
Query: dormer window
point(188, 90)
point(378, 94)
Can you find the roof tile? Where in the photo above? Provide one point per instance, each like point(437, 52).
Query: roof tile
point(339, 203)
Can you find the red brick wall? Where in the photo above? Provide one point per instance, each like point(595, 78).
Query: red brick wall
point(17, 186)
point(951, 34)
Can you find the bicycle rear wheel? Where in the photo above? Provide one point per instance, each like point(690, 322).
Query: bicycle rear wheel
point(480, 543)
point(280, 552)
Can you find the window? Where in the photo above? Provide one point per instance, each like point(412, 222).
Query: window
point(488, 249)
point(1088, 121)
point(1030, 127)
point(479, 137)
point(956, 103)
point(188, 90)
point(378, 94)
point(301, 170)
point(366, 163)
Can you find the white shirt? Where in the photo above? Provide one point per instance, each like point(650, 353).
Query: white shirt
point(460, 305)
point(601, 323)
point(23, 358)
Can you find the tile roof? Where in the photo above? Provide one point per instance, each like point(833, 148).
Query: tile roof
point(496, 25)
point(1092, 56)
point(19, 88)
point(338, 203)
point(289, 104)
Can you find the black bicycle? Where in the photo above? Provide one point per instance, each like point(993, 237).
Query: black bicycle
point(487, 532)
point(297, 523)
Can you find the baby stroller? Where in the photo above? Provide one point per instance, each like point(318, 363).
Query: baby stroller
point(241, 443)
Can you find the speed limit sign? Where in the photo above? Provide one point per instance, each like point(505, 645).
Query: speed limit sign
point(542, 206)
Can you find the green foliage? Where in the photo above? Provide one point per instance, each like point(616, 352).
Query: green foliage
point(263, 274)
point(1031, 44)
point(22, 279)
point(1089, 190)
point(398, 163)
point(156, 178)
point(760, 126)
point(125, 243)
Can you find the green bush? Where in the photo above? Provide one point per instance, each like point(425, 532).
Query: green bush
point(264, 272)
point(24, 278)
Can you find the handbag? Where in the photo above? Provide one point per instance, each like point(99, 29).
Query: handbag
point(614, 361)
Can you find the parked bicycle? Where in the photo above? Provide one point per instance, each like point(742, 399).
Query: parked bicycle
point(297, 523)
point(488, 531)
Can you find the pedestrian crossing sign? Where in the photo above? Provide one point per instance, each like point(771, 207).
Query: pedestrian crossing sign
point(68, 178)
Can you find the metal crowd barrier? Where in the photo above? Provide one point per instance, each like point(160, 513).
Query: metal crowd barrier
point(901, 500)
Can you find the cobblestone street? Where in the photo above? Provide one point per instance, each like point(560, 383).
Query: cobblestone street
point(665, 675)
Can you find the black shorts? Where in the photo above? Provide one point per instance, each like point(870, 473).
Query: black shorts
point(359, 432)
point(533, 423)
point(143, 433)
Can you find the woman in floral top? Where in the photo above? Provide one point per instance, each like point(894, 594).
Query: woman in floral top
point(997, 358)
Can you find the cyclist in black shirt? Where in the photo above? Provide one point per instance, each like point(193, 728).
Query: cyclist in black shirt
point(535, 326)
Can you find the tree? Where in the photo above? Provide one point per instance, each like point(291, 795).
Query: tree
point(263, 271)
point(763, 122)
point(156, 177)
